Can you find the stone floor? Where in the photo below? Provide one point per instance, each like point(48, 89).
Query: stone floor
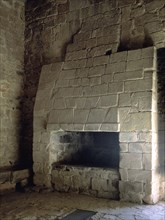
point(54, 206)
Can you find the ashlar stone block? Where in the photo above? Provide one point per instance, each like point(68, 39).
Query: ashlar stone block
point(100, 60)
point(124, 76)
point(99, 90)
point(107, 78)
point(116, 87)
point(80, 116)
point(134, 54)
point(147, 161)
point(148, 52)
point(92, 127)
point(91, 102)
point(112, 116)
point(126, 187)
point(108, 101)
point(67, 74)
point(134, 121)
point(124, 99)
point(118, 57)
point(139, 175)
point(61, 116)
point(136, 147)
point(138, 85)
point(131, 161)
point(97, 115)
point(96, 71)
point(59, 103)
point(134, 65)
point(95, 81)
point(116, 67)
point(111, 127)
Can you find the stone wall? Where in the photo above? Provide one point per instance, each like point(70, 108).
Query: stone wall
point(99, 182)
point(95, 26)
point(85, 30)
point(126, 103)
point(12, 28)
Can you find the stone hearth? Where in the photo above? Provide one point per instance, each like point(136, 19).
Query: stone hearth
point(115, 93)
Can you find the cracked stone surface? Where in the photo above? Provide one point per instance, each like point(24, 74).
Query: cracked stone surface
point(54, 206)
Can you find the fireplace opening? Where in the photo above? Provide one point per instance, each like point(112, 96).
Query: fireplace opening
point(88, 149)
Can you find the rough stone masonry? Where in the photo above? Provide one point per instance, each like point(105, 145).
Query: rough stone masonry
point(92, 91)
point(125, 103)
point(66, 31)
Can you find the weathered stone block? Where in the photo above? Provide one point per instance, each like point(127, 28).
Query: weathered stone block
point(118, 57)
point(130, 195)
point(87, 91)
point(92, 127)
point(75, 82)
point(64, 92)
point(76, 55)
point(128, 75)
point(20, 175)
point(128, 137)
point(61, 116)
point(147, 161)
point(82, 35)
point(59, 103)
point(108, 101)
point(134, 54)
point(90, 43)
point(124, 99)
point(134, 65)
point(116, 87)
point(78, 91)
point(96, 71)
point(80, 116)
point(123, 147)
point(135, 187)
point(131, 161)
point(139, 175)
point(78, 127)
point(148, 52)
point(74, 64)
point(98, 184)
point(124, 174)
point(99, 90)
point(62, 83)
point(145, 104)
point(70, 102)
point(89, 62)
point(111, 127)
point(97, 115)
point(116, 67)
point(134, 121)
point(111, 116)
point(85, 82)
point(82, 73)
point(136, 147)
point(91, 102)
point(80, 102)
point(138, 85)
point(67, 74)
point(95, 81)
point(107, 78)
point(149, 63)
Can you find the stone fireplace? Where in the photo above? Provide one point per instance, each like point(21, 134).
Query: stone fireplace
point(106, 108)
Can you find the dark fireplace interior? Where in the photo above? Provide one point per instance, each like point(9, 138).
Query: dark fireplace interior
point(90, 149)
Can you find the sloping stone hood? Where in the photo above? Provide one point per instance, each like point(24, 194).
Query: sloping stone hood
point(111, 93)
